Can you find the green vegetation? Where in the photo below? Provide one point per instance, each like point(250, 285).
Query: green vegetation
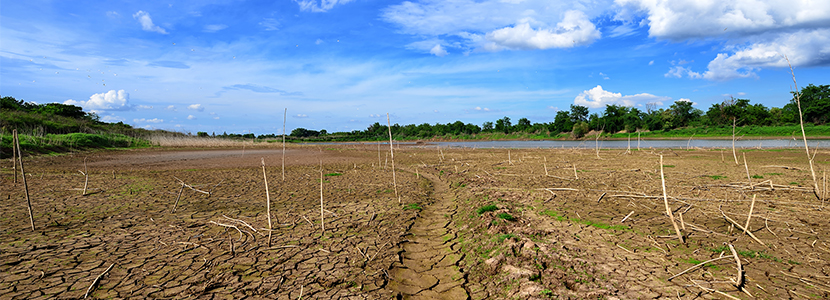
point(486, 208)
point(757, 176)
point(716, 177)
point(506, 217)
point(413, 206)
point(501, 237)
point(56, 127)
point(333, 174)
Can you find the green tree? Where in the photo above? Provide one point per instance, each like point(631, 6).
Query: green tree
point(503, 125)
point(487, 126)
point(579, 113)
point(523, 125)
point(562, 122)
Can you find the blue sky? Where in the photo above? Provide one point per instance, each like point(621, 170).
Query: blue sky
point(341, 65)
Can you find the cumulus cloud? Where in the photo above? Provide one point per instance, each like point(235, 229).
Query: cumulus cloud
point(143, 120)
point(196, 107)
point(478, 108)
point(757, 32)
point(147, 23)
point(598, 98)
point(191, 117)
point(493, 25)
point(171, 107)
point(319, 6)
point(574, 30)
point(438, 51)
point(111, 100)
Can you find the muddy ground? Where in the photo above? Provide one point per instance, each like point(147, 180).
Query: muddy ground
point(470, 223)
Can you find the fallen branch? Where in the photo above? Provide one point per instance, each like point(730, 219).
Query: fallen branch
point(191, 187)
point(696, 266)
point(742, 228)
point(626, 216)
point(95, 282)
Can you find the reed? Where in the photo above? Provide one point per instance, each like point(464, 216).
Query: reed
point(23, 175)
point(392, 154)
point(267, 201)
point(803, 134)
point(666, 202)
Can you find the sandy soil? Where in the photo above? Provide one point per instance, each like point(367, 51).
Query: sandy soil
point(480, 224)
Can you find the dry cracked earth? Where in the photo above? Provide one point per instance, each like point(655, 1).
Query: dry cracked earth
point(449, 224)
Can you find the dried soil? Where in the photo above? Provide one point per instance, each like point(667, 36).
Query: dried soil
point(547, 234)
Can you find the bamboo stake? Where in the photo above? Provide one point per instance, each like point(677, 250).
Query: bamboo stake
point(23, 174)
point(666, 201)
point(177, 198)
point(284, 114)
point(322, 220)
point(801, 120)
point(95, 282)
point(86, 178)
point(739, 280)
point(747, 173)
point(748, 217)
point(267, 200)
point(14, 155)
point(392, 153)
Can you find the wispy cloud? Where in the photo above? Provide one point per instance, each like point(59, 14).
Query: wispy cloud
point(147, 22)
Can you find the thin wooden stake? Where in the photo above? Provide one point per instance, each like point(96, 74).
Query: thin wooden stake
point(626, 216)
point(801, 120)
point(86, 178)
point(267, 200)
point(747, 173)
point(739, 280)
point(392, 154)
point(575, 175)
point(322, 220)
point(284, 114)
point(696, 266)
point(14, 155)
point(748, 217)
point(23, 174)
point(666, 201)
point(177, 199)
point(510, 161)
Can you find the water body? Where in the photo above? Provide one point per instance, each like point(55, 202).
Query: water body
point(616, 144)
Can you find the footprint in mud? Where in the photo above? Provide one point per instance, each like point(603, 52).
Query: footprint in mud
point(430, 257)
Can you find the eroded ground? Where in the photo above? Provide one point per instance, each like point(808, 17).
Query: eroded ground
point(477, 223)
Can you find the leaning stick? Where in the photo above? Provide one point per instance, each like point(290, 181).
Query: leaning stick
point(177, 199)
point(23, 174)
point(14, 156)
point(392, 153)
point(268, 200)
point(626, 216)
point(666, 201)
point(742, 228)
point(751, 206)
point(600, 197)
point(95, 282)
point(739, 281)
point(696, 266)
point(575, 175)
point(322, 221)
point(86, 178)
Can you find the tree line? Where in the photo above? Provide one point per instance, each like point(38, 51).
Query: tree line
point(578, 121)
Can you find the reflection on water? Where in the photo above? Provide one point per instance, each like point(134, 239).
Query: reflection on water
point(694, 143)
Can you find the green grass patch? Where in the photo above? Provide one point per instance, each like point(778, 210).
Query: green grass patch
point(757, 176)
point(333, 174)
point(412, 206)
point(506, 217)
point(486, 208)
point(668, 166)
point(601, 225)
point(773, 174)
point(716, 177)
point(386, 191)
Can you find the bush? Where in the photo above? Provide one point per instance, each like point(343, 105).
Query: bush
point(580, 130)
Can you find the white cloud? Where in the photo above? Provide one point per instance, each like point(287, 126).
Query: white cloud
point(191, 117)
point(147, 23)
point(651, 63)
point(196, 107)
point(112, 14)
point(574, 30)
point(438, 51)
point(598, 98)
point(111, 119)
point(144, 106)
point(171, 107)
point(478, 108)
point(604, 76)
point(215, 27)
point(143, 120)
point(300, 116)
point(492, 25)
point(112, 100)
point(679, 72)
point(318, 41)
point(756, 32)
point(319, 6)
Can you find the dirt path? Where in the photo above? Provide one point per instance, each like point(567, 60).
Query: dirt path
point(430, 256)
